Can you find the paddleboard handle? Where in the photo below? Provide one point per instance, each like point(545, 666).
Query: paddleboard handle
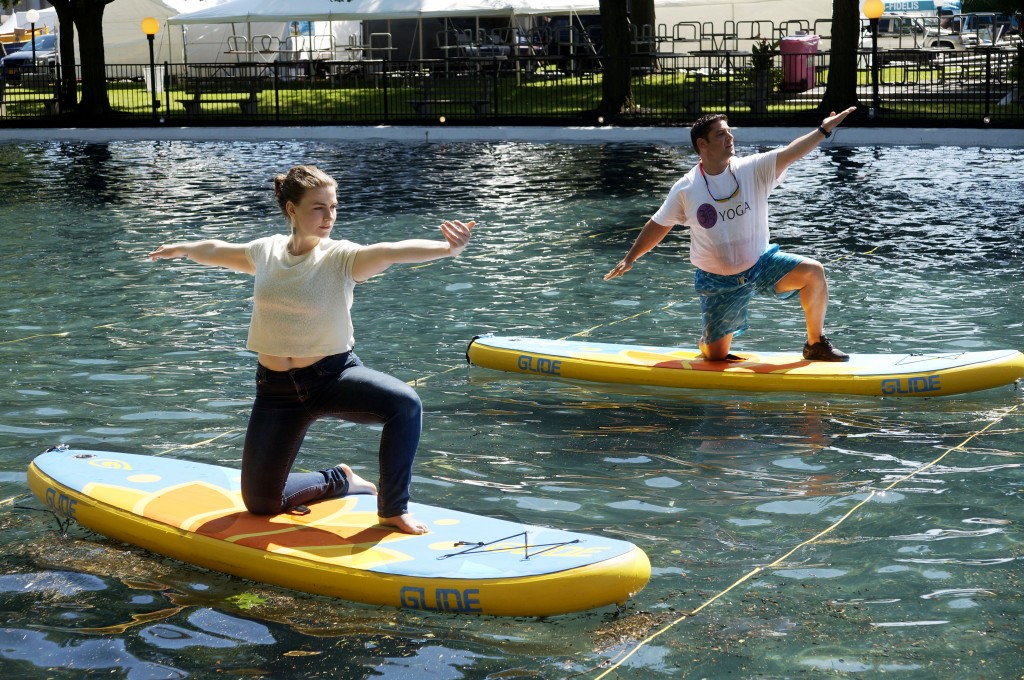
point(474, 339)
point(65, 447)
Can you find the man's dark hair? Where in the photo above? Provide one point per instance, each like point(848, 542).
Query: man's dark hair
point(701, 126)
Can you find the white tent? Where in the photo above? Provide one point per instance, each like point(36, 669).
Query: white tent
point(221, 30)
point(251, 13)
point(669, 12)
point(123, 39)
point(260, 40)
point(240, 11)
point(18, 20)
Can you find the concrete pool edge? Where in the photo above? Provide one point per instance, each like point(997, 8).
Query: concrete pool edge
point(852, 136)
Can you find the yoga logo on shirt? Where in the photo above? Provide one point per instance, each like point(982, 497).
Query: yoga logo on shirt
point(707, 215)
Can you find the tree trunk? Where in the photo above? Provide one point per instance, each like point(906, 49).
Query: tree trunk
point(616, 93)
point(841, 90)
point(89, 22)
point(68, 74)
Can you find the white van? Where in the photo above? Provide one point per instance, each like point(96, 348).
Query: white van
point(906, 32)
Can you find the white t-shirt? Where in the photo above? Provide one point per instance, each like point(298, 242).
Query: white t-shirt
point(301, 304)
point(728, 231)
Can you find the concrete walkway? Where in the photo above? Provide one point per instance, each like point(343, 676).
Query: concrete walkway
point(852, 136)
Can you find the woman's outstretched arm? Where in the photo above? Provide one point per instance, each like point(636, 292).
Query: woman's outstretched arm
point(211, 252)
point(374, 259)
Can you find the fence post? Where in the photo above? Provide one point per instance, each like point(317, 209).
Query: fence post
point(167, 93)
point(277, 96)
point(728, 84)
point(384, 75)
point(55, 78)
point(988, 82)
point(494, 89)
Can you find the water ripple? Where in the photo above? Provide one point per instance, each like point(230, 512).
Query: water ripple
point(103, 349)
point(946, 534)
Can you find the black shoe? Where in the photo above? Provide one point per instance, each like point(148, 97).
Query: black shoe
point(824, 351)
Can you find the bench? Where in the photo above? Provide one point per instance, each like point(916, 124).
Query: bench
point(216, 90)
point(977, 71)
point(694, 82)
point(31, 89)
point(908, 66)
point(975, 68)
point(916, 71)
point(474, 93)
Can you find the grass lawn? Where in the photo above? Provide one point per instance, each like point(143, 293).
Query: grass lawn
point(658, 97)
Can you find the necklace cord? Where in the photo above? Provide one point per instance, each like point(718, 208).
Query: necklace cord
point(700, 166)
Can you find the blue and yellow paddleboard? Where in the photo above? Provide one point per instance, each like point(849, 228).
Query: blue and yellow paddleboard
point(467, 563)
point(887, 375)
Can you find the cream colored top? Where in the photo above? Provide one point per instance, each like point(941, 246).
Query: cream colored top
point(301, 304)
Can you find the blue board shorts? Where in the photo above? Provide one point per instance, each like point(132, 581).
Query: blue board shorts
point(724, 298)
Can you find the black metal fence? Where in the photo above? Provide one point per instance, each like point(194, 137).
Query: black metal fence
point(976, 88)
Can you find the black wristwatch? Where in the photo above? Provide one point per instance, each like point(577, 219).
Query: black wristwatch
point(822, 130)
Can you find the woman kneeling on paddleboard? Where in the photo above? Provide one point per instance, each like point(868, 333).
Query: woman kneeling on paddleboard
point(301, 329)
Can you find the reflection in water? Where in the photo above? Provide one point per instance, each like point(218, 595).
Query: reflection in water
point(100, 349)
point(93, 176)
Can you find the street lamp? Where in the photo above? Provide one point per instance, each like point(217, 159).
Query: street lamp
point(873, 10)
point(33, 16)
point(150, 26)
point(939, 4)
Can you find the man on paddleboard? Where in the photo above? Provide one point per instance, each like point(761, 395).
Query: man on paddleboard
point(724, 202)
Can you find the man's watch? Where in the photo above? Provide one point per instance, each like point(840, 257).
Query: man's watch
point(822, 130)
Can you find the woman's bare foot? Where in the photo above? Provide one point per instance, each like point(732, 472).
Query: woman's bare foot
point(357, 484)
point(405, 523)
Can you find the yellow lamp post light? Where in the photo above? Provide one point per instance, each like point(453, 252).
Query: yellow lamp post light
point(150, 26)
point(873, 11)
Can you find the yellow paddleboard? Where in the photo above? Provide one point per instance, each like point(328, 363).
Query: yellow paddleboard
point(929, 374)
point(466, 564)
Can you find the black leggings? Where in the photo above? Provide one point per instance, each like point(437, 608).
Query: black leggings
point(338, 386)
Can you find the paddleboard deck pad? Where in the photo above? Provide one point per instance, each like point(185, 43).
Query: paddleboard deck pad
point(467, 563)
point(888, 375)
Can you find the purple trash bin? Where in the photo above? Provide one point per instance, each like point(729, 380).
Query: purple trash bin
point(798, 61)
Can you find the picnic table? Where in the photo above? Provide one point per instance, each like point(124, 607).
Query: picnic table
point(32, 88)
point(239, 84)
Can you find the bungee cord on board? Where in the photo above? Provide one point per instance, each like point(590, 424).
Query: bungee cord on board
point(872, 493)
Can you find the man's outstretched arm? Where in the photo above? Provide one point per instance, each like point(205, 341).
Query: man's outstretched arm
point(801, 146)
